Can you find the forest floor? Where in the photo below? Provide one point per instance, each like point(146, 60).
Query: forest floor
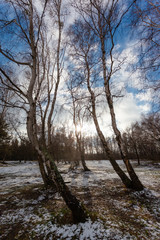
point(29, 211)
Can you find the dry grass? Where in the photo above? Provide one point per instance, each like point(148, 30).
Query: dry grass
point(129, 212)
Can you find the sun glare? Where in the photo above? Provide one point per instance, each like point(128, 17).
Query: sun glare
point(79, 129)
point(86, 129)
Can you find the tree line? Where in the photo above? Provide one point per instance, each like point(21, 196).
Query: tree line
point(142, 141)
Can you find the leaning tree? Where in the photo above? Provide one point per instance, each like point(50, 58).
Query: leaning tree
point(93, 37)
point(31, 67)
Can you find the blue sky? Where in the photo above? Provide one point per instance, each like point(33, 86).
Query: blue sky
point(135, 101)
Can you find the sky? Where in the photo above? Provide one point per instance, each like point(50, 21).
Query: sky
point(128, 108)
point(135, 101)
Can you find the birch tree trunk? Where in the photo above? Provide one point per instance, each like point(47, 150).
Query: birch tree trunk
point(31, 93)
point(83, 48)
point(136, 183)
point(78, 212)
point(103, 23)
point(77, 120)
point(126, 181)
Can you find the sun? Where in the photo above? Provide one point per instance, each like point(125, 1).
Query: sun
point(87, 129)
point(79, 128)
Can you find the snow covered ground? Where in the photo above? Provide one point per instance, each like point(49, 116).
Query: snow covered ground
point(16, 174)
point(122, 214)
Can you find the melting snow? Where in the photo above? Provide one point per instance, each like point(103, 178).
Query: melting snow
point(82, 231)
point(18, 174)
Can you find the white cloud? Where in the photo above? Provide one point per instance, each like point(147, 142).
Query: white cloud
point(129, 111)
point(145, 108)
point(130, 107)
point(145, 96)
point(124, 62)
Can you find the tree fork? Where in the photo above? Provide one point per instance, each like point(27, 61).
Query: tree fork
point(46, 179)
point(136, 183)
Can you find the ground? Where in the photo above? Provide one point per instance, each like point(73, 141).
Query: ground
point(29, 211)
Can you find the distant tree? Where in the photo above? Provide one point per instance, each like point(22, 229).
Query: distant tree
point(4, 138)
point(14, 149)
point(151, 125)
point(78, 113)
point(3, 130)
point(132, 140)
point(143, 138)
point(63, 145)
point(22, 150)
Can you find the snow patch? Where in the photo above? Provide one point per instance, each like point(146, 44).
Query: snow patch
point(83, 231)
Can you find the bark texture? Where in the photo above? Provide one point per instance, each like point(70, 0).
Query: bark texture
point(126, 181)
point(136, 183)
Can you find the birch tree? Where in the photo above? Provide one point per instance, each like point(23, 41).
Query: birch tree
point(29, 54)
point(99, 18)
point(78, 113)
